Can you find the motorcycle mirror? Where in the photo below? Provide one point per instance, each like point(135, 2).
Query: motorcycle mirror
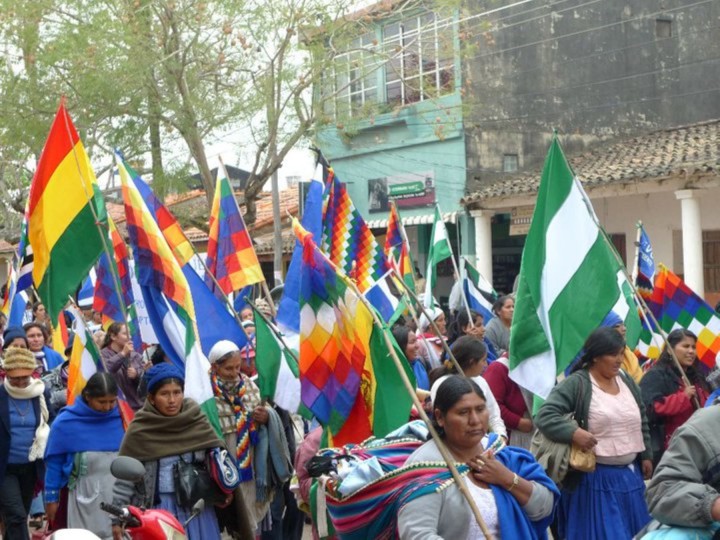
point(127, 468)
point(198, 507)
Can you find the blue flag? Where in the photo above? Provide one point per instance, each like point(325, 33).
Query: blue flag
point(288, 315)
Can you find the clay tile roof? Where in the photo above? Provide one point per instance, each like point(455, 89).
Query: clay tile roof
point(688, 150)
point(177, 198)
point(196, 235)
point(6, 247)
point(289, 202)
point(115, 211)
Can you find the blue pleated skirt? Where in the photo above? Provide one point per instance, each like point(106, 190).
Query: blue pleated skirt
point(608, 504)
point(203, 527)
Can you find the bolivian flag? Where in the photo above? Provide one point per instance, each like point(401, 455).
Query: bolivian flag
point(66, 214)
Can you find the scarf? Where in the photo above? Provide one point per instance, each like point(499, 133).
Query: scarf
point(35, 389)
point(273, 465)
point(244, 425)
point(152, 435)
point(79, 428)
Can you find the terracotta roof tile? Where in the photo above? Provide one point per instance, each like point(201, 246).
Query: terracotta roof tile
point(6, 247)
point(688, 150)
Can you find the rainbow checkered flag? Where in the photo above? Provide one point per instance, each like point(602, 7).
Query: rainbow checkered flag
point(347, 240)
point(231, 257)
point(675, 305)
point(347, 379)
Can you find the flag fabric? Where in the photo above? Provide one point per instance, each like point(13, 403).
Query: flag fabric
point(397, 248)
point(84, 358)
point(171, 230)
point(479, 294)
point(231, 257)
point(176, 336)
point(288, 313)
point(65, 211)
point(278, 371)
point(439, 251)
point(166, 293)
point(675, 305)
point(60, 335)
point(348, 381)
point(156, 264)
point(15, 301)
point(382, 298)
point(215, 322)
point(105, 296)
point(568, 280)
point(25, 255)
point(347, 240)
point(645, 266)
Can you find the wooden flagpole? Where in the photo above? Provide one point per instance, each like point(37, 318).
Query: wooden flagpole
point(648, 313)
point(436, 330)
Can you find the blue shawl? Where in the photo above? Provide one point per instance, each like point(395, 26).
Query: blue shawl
point(78, 428)
point(513, 521)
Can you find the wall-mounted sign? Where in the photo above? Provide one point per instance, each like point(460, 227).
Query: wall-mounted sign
point(520, 218)
point(408, 190)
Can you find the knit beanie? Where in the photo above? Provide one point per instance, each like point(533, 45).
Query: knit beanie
point(19, 358)
point(13, 333)
point(162, 372)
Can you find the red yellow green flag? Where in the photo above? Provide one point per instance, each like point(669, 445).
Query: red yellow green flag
point(64, 209)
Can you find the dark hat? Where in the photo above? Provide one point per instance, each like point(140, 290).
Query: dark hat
point(12, 333)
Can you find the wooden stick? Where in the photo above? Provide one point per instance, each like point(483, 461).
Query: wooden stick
point(408, 386)
point(266, 290)
point(648, 313)
point(446, 347)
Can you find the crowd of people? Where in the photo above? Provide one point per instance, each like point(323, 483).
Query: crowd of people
point(638, 425)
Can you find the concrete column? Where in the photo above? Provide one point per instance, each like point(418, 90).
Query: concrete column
point(483, 242)
point(692, 240)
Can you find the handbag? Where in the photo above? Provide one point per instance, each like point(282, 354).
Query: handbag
point(552, 456)
point(582, 460)
point(194, 482)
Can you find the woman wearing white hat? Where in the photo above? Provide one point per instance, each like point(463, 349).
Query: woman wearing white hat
point(237, 399)
point(431, 346)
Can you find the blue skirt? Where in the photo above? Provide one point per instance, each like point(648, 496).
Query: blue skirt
point(608, 504)
point(203, 527)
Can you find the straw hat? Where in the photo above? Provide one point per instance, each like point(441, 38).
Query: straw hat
point(18, 359)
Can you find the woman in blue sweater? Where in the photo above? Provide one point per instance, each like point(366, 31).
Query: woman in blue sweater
point(84, 440)
point(24, 419)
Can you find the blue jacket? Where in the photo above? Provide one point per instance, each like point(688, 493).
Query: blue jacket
point(5, 430)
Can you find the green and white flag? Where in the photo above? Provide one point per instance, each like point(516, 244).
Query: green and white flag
point(568, 280)
point(438, 252)
point(278, 373)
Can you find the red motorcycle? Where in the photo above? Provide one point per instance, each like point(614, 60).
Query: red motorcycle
point(141, 523)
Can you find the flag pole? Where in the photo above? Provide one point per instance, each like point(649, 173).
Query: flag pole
point(636, 263)
point(276, 334)
point(638, 298)
point(436, 330)
point(409, 387)
point(126, 421)
point(455, 268)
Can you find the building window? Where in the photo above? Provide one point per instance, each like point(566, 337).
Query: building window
point(620, 243)
point(420, 56)
point(663, 27)
point(353, 80)
point(510, 163)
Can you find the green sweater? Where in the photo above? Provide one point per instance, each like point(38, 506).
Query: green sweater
point(564, 399)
